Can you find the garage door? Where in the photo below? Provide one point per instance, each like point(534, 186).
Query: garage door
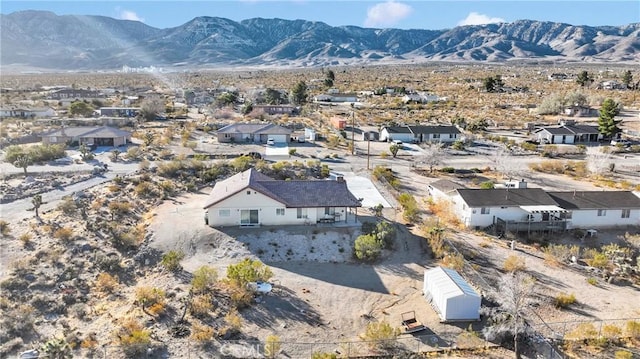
point(279, 138)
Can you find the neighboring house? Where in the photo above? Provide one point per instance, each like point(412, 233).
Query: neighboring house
point(443, 189)
point(336, 97)
point(580, 111)
point(569, 134)
point(118, 111)
point(422, 98)
point(338, 122)
point(277, 109)
point(396, 133)
point(596, 209)
point(251, 198)
point(419, 134)
point(435, 133)
point(91, 136)
point(253, 132)
point(44, 112)
point(523, 208)
point(611, 85)
point(70, 93)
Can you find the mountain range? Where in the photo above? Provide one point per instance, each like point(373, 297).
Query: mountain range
point(44, 40)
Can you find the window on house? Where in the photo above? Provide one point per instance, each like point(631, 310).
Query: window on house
point(224, 213)
point(301, 213)
point(436, 135)
point(626, 213)
point(566, 215)
point(602, 212)
point(279, 211)
point(248, 192)
point(484, 210)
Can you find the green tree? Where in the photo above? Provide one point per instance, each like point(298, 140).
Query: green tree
point(272, 97)
point(299, 93)
point(331, 75)
point(584, 79)
point(247, 107)
point(394, 149)
point(203, 279)
point(248, 271)
point(151, 108)
point(226, 99)
point(492, 83)
point(627, 77)
point(23, 162)
point(607, 124)
point(328, 83)
point(80, 108)
point(85, 152)
point(367, 247)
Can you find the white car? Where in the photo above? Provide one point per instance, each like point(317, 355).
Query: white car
point(397, 142)
point(271, 142)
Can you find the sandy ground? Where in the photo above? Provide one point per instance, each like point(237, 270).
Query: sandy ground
point(321, 295)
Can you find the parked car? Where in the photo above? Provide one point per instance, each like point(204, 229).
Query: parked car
point(398, 143)
point(271, 142)
point(624, 143)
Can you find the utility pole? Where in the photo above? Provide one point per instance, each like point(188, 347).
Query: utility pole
point(368, 147)
point(353, 130)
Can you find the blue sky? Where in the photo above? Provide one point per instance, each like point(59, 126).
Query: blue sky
point(425, 14)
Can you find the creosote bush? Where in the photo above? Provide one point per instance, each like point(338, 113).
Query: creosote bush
point(380, 335)
point(171, 260)
point(64, 234)
point(134, 339)
point(201, 333)
point(106, 283)
point(564, 300)
point(203, 279)
point(5, 229)
point(248, 271)
point(514, 263)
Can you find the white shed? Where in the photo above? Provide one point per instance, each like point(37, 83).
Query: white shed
point(450, 295)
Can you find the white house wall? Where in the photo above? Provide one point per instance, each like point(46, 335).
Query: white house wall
point(477, 219)
point(613, 217)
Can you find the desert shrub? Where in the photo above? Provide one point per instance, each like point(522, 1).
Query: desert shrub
point(528, 146)
point(447, 169)
point(381, 172)
point(233, 322)
point(514, 263)
point(623, 354)
point(248, 271)
point(367, 247)
point(592, 281)
point(612, 332)
point(380, 334)
point(203, 279)
point(168, 187)
point(171, 260)
point(170, 169)
point(632, 329)
point(117, 208)
point(202, 334)
point(409, 207)
point(323, 355)
point(57, 348)
point(68, 206)
point(559, 253)
point(599, 260)
point(241, 297)
point(5, 229)
point(134, 153)
point(241, 163)
point(564, 300)
point(368, 227)
point(201, 305)
point(106, 283)
point(37, 153)
point(272, 346)
point(144, 189)
point(149, 296)
point(453, 260)
point(64, 234)
point(134, 339)
point(19, 320)
point(25, 238)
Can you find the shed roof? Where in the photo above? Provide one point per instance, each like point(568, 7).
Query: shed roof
point(449, 282)
point(434, 129)
point(445, 185)
point(255, 128)
point(88, 131)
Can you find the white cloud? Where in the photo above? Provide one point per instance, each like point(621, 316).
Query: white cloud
point(387, 14)
point(128, 15)
point(479, 19)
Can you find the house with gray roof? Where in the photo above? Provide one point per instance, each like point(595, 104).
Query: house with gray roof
point(253, 133)
point(251, 198)
point(568, 134)
point(421, 133)
point(88, 135)
point(443, 189)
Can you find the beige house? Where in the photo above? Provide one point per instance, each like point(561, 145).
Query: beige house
point(251, 198)
point(92, 136)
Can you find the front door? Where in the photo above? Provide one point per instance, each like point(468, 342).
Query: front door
point(249, 217)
